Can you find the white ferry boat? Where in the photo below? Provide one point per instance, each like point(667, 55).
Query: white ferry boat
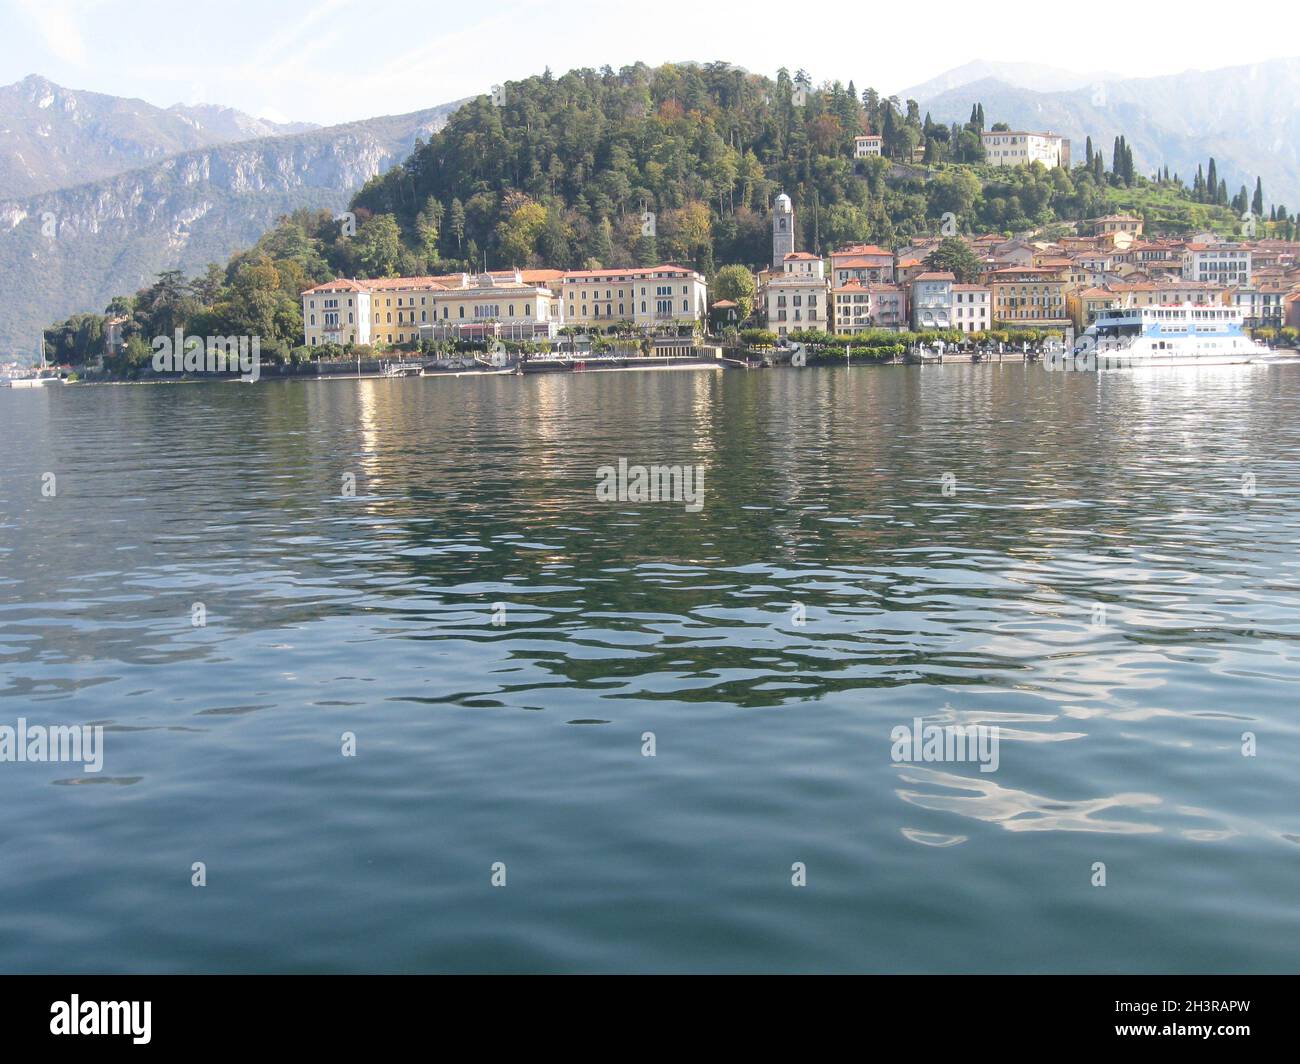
point(1185, 334)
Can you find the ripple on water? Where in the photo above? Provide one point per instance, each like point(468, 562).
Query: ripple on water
point(649, 715)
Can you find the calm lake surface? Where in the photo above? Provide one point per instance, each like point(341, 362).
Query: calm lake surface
point(1111, 579)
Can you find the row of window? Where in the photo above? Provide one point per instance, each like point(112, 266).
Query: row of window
point(878, 273)
point(660, 290)
point(663, 307)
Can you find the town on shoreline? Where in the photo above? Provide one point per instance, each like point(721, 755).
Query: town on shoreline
point(963, 291)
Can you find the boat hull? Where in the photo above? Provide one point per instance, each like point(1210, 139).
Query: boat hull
point(1093, 361)
point(33, 382)
point(1139, 361)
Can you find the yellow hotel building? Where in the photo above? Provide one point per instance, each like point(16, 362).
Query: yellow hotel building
point(393, 310)
point(1031, 297)
point(657, 295)
point(515, 304)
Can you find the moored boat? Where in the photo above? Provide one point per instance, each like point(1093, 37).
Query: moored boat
point(32, 382)
point(1182, 334)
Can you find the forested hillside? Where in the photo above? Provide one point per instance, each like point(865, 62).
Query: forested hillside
point(560, 173)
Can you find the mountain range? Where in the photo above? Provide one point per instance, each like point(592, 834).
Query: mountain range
point(170, 188)
point(1035, 76)
point(1246, 117)
point(51, 137)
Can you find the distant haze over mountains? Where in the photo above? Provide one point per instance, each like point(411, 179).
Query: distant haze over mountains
point(1247, 117)
point(51, 136)
point(1033, 76)
point(118, 190)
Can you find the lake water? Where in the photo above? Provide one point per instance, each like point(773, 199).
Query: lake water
point(1103, 567)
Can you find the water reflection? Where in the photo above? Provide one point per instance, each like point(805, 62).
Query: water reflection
point(1096, 585)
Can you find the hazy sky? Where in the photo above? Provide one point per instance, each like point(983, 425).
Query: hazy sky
point(337, 60)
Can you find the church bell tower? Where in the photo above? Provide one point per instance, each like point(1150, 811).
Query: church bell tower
point(782, 231)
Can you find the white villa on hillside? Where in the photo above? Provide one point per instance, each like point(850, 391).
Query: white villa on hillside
point(1011, 148)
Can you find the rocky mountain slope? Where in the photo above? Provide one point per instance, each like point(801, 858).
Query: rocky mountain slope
point(74, 248)
point(51, 137)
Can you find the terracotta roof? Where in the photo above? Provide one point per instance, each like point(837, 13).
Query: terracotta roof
point(861, 249)
point(1016, 133)
point(795, 280)
point(442, 282)
point(854, 285)
point(857, 263)
point(389, 284)
point(615, 271)
point(340, 284)
point(936, 275)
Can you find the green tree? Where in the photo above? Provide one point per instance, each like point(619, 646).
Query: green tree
point(600, 245)
point(954, 255)
point(378, 246)
point(165, 305)
point(255, 304)
point(736, 283)
point(428, 227)
point(456, 222)
point(518, 233)
point(76, 341)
